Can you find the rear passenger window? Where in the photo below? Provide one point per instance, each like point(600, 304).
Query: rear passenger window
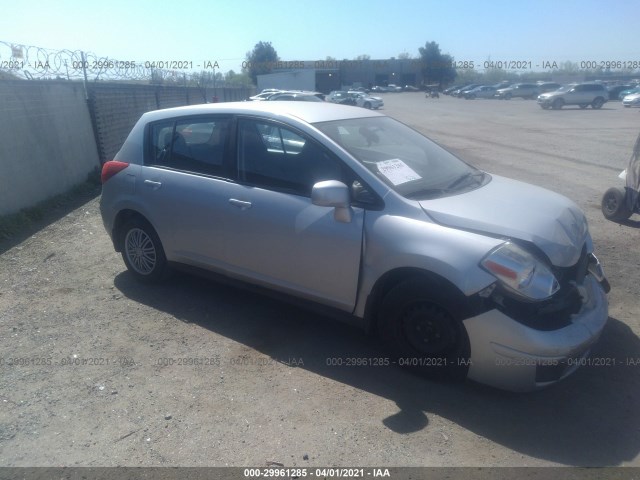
point(193, 145)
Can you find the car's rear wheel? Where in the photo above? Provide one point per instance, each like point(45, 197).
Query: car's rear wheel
point(142, 251)
point(558, 103)
point(420, 324)
point(614, 204)
point(597, 103)
point(507, 96)
point(367, 105)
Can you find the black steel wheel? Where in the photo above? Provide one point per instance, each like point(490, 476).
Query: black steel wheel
point(420, 322)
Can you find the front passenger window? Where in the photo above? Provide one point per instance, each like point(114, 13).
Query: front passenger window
point(277, 158)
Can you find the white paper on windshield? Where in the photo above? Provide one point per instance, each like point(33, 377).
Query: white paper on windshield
point(397, 172)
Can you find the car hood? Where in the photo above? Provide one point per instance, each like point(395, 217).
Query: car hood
point(511, 209)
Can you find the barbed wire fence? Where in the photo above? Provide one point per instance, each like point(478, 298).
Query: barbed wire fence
point(30, 62)
point(25, 62)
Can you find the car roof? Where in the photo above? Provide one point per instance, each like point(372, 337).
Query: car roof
point(309, 112)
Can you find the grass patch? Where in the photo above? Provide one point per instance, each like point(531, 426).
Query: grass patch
point(16, 223)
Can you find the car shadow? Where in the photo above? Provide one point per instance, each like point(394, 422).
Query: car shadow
point(54, 210)
point(589, 419)
point(629, 223)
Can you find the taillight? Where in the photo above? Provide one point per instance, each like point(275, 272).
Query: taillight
point(109, 169)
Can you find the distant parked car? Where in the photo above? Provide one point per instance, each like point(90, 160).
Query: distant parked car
point(632, 100)
point(502, 84)
point(379, 88)
point(630, 91)
point(297, 96)
point(523, 90)
point(583, 95)
point(366, 101)
point(461, 91)
point(614, 92)
point(545, 87)
point(341, 97)
point(451, 89)
point(484, 91)
point(263, 95)
point(394, 88)
point(411, 88)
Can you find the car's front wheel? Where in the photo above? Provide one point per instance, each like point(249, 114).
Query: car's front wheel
point(142, 251)
point(584, 105)
point(367, 105)
point(419, 322)
point(558, 103)
point(614, 205)
point(597, 103)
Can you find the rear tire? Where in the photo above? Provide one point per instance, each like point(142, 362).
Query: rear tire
point(597, 103)
point(614, 205)
point(421, 324)
point(558, 103)
point(142, 251)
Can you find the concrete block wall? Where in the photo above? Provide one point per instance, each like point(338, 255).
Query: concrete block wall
point(47, 143)
point(51, 136)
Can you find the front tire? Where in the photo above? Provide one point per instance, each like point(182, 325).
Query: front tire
point(421, 324)
point(614, 205)
point(142, 251)
point(558, 103)
point(597, 103)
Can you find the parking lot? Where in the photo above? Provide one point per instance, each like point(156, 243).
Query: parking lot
point(98, 370)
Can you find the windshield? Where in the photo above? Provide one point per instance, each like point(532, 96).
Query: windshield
point(408, 162)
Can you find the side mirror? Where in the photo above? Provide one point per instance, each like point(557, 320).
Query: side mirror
point(332, 193)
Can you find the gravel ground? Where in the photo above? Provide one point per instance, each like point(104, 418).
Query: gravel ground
point(97, 370)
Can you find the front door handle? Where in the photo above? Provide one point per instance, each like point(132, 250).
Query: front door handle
point(241, 204)
point(152, 184)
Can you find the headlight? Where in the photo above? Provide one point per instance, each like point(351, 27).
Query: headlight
point(521, 272)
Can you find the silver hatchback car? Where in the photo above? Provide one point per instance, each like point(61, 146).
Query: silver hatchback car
point(463, 274)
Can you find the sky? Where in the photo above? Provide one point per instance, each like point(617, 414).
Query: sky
point(224, 31)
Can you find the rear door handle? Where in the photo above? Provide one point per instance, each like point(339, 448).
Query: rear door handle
point(152, 184)
point(241, 204)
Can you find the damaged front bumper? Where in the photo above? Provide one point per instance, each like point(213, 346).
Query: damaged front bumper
point(507, 354)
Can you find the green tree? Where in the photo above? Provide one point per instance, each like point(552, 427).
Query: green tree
point(260, 60)
point(237, 79)
point(436, 66)
point(363, 57)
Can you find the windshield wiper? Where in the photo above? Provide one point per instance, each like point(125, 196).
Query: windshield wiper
point(464, 177)
point(428, 193)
